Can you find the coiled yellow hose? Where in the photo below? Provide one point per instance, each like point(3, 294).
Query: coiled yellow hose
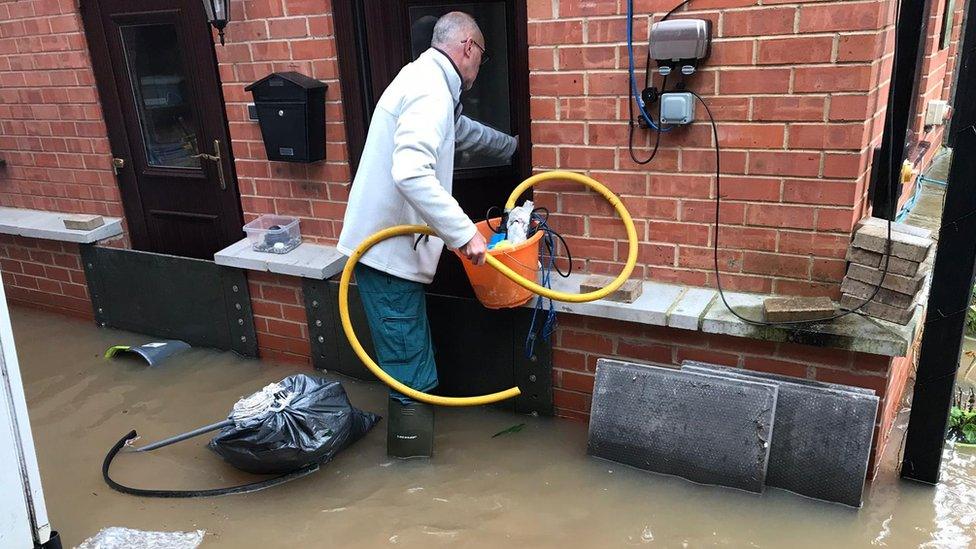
point(530, 285)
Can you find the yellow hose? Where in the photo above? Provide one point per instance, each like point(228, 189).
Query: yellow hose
point(530, 285)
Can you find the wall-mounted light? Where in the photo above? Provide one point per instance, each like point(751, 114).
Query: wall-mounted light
point(218, 14)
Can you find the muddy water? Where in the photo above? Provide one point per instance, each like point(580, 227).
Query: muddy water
point(534, 488)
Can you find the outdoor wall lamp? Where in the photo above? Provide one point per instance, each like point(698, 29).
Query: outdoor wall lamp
point(217, 15)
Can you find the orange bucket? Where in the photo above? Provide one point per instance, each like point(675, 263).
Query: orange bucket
point(495, 290)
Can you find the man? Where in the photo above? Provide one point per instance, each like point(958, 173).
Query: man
point(405, 178)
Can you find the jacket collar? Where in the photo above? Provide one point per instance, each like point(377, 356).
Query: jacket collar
point(450, 70)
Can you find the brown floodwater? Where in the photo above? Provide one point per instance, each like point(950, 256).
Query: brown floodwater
point(534, 488)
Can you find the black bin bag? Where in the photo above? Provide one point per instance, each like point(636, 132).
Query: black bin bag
point(302, 420)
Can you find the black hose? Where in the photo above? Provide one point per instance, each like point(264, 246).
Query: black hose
point(213, 492)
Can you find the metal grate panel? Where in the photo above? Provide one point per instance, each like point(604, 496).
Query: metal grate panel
point(707, 429)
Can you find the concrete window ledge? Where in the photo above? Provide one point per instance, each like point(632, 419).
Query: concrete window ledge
point(308, 260)
point(701, 309)
point(50, 226)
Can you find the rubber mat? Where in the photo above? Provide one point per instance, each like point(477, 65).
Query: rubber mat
point(821, 437)
point(705, 428)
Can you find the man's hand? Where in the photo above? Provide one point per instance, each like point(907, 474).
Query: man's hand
point(475, 249)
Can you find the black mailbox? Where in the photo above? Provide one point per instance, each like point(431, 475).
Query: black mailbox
point(291, 112)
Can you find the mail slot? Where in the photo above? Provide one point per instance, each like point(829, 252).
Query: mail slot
point(291, 113)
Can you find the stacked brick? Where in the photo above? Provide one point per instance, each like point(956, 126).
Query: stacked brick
point(907, 270)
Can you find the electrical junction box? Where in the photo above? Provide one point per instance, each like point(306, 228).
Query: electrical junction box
point(936, 113)
point(677, 108)
point(680, 43)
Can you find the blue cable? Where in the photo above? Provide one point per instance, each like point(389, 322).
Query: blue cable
point(548, 265)
point(635, 95)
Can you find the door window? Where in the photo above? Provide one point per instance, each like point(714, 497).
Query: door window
point(489, 100)
point(161, 93)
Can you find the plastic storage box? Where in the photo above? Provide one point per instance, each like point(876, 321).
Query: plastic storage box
point(274, 234)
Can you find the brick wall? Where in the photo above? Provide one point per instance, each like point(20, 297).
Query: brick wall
point(795, 86)
point(54, 141)
point(279, 317)
point(52, 134)
point(44, 274)
point(285, 35)
point(580, 341)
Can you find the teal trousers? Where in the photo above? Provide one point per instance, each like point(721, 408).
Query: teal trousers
point(396, 310)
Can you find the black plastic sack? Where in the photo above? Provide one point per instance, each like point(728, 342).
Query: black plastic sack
point(317, 424)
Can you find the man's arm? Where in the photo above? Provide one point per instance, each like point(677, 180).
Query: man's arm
point(420, 131)
point(473, 136)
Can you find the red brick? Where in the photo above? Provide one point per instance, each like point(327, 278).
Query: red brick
point(752, 136)
point(586, 158)
point(644, 351)
point(590, 57)
point(607, 83)
point(838, 193)
point(705, 355)
point(681, 185)
point(584, 8)
point(678, 233)
point(832, 17)
point(745, 188)
point(555, 32)
point(585, 108)
point(817, 244)
point(878, 383)
point(827, 136)
point(731, 52)
point(789, 108)
point(585, 341)
point(830, 270)
point(747, 238)
point(569, 400)
point(784, 51)
point(558, 133)
point(850, 107)
point(761, 364)
point(859, 47)
point(556, 84)
point(837, 78)
point(568, 360)
point(776, 264)
point(575, 381)
point(652, 254)
point(288, 28)
point(780, 216)
point(758, 22)
point(784, 163)
point(752, 81)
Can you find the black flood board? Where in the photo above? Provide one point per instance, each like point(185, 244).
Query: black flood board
point(193, 300)
point(704, 428)
point(477, 350)
point(821, 437)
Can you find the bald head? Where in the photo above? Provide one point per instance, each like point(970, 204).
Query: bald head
point(458, 36)
point(453, 28)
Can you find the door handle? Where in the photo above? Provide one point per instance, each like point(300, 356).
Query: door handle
point(215, 158)
point(117, 164)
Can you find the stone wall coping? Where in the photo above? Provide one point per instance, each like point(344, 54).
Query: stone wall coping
point(308, 260)
point(660, 304)
point(50, 226)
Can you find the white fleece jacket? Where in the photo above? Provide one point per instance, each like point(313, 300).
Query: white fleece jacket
point(406, 171)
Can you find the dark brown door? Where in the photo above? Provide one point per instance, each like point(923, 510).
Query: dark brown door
point(157, 77)
point(399, 31)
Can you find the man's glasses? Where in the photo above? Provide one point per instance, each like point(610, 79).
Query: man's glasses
point(484, 53)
